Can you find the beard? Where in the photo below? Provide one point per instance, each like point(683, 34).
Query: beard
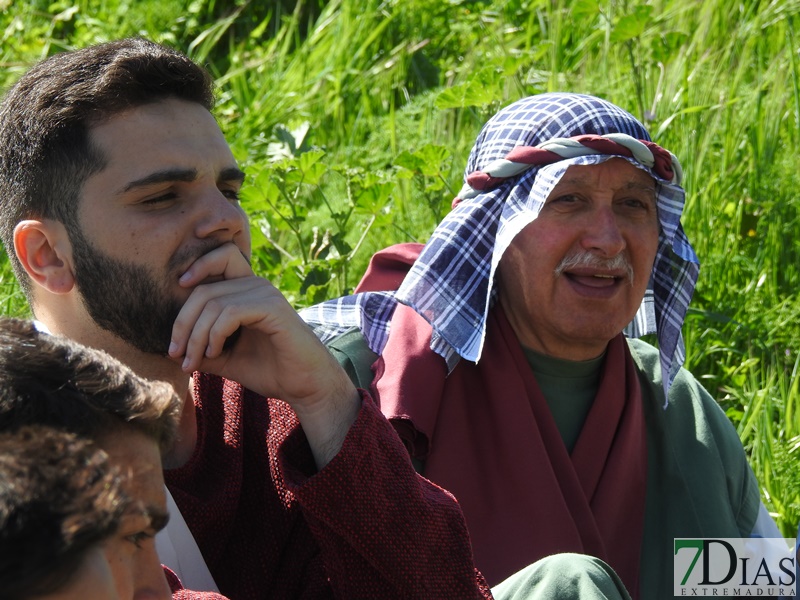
point(127, 299)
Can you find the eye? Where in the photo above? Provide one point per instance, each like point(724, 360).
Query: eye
point(644, 204)
point(231, 194)
point(162, 199)
point(565, 202)
point(635, 203)
point(565, 199)
point(139, 538)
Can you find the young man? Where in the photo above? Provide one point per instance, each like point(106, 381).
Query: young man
point(60, 503)
point(120, 214)
point(503, 361)
point(52, 382)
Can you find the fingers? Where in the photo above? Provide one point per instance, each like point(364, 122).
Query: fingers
point(225, 262)
point(239, 326)
point(214, 312)
point(199, 330)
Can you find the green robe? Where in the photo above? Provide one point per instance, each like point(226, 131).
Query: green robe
point(699, 482)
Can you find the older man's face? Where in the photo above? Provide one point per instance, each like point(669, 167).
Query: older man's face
point(575, 277)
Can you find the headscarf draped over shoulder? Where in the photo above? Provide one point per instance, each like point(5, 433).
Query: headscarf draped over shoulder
point(519, 156)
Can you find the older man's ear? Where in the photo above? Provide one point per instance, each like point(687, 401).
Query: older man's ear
point(44, 250)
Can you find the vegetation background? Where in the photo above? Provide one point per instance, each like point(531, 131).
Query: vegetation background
point(354, 118)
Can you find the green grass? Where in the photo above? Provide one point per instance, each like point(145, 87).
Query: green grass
point(354, 118)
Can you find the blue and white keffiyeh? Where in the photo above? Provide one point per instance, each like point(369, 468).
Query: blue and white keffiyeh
point(451, 284)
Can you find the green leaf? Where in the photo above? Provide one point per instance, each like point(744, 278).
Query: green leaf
point(631, 26)
point(581, 9)
point(309, 159)
point(433, 158)
point(464, 95)
point(409, 161)
point(316, 276)
point(312, 175)
point(341, 244)
point(375, 197)
point(428, 160)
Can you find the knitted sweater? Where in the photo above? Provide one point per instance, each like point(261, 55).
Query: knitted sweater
point(270, 526)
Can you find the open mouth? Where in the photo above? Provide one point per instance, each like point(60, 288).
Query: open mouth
point(594, 280)
point(596, 284)
point(591, 271)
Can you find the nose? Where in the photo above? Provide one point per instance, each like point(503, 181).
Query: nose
point(150, 582)
point(603, 235)
point(221, 217)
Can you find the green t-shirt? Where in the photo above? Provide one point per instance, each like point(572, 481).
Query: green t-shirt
point(569, 387)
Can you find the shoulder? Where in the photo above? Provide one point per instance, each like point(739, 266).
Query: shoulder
point(690, 408)
point(351, 351)
point(686, 395)
point(694, 431)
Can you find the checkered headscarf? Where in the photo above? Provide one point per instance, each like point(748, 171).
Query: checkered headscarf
point(451, 284)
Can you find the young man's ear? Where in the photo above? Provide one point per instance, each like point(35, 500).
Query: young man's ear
point(44, 250)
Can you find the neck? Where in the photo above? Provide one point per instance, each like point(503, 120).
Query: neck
point(186, 436)
point(144, 364)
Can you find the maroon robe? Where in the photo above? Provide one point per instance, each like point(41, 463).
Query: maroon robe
point(270, 526)
point(487, 435)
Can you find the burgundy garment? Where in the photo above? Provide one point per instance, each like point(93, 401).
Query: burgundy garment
point(270, 526)
point(488, 436)
point(181, 593)
point(388, 268)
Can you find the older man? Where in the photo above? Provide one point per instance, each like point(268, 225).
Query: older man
point(505, 359)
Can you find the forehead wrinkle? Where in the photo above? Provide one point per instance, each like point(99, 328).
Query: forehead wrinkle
point(583, 179)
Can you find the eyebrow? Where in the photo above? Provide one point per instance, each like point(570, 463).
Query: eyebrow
point(160, 177)
point(635, 185)
point(158, 517)
point(232, 175)
point(229, 174)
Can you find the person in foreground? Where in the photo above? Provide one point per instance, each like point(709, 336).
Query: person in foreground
point(60, 502)
point(121, 217)
point(504, 351)
point(82, 439)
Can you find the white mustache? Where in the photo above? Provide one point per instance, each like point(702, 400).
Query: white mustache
point(587, 259)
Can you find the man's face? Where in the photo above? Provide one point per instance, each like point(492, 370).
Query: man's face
point(93, 579)
point(605, 217)
point(131, 551)
point(168, 195)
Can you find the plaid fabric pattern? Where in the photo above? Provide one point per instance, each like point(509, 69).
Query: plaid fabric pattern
point(451, 283)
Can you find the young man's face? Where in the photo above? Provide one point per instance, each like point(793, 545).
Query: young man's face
point(168, 195)
point(604, 212)
point(131, 551)
point(93, 579)
point(126, 566)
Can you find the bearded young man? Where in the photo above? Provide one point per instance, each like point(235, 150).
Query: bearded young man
point(120, 214)
point(502, 351)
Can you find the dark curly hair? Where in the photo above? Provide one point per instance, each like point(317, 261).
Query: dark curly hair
point(60, 498)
